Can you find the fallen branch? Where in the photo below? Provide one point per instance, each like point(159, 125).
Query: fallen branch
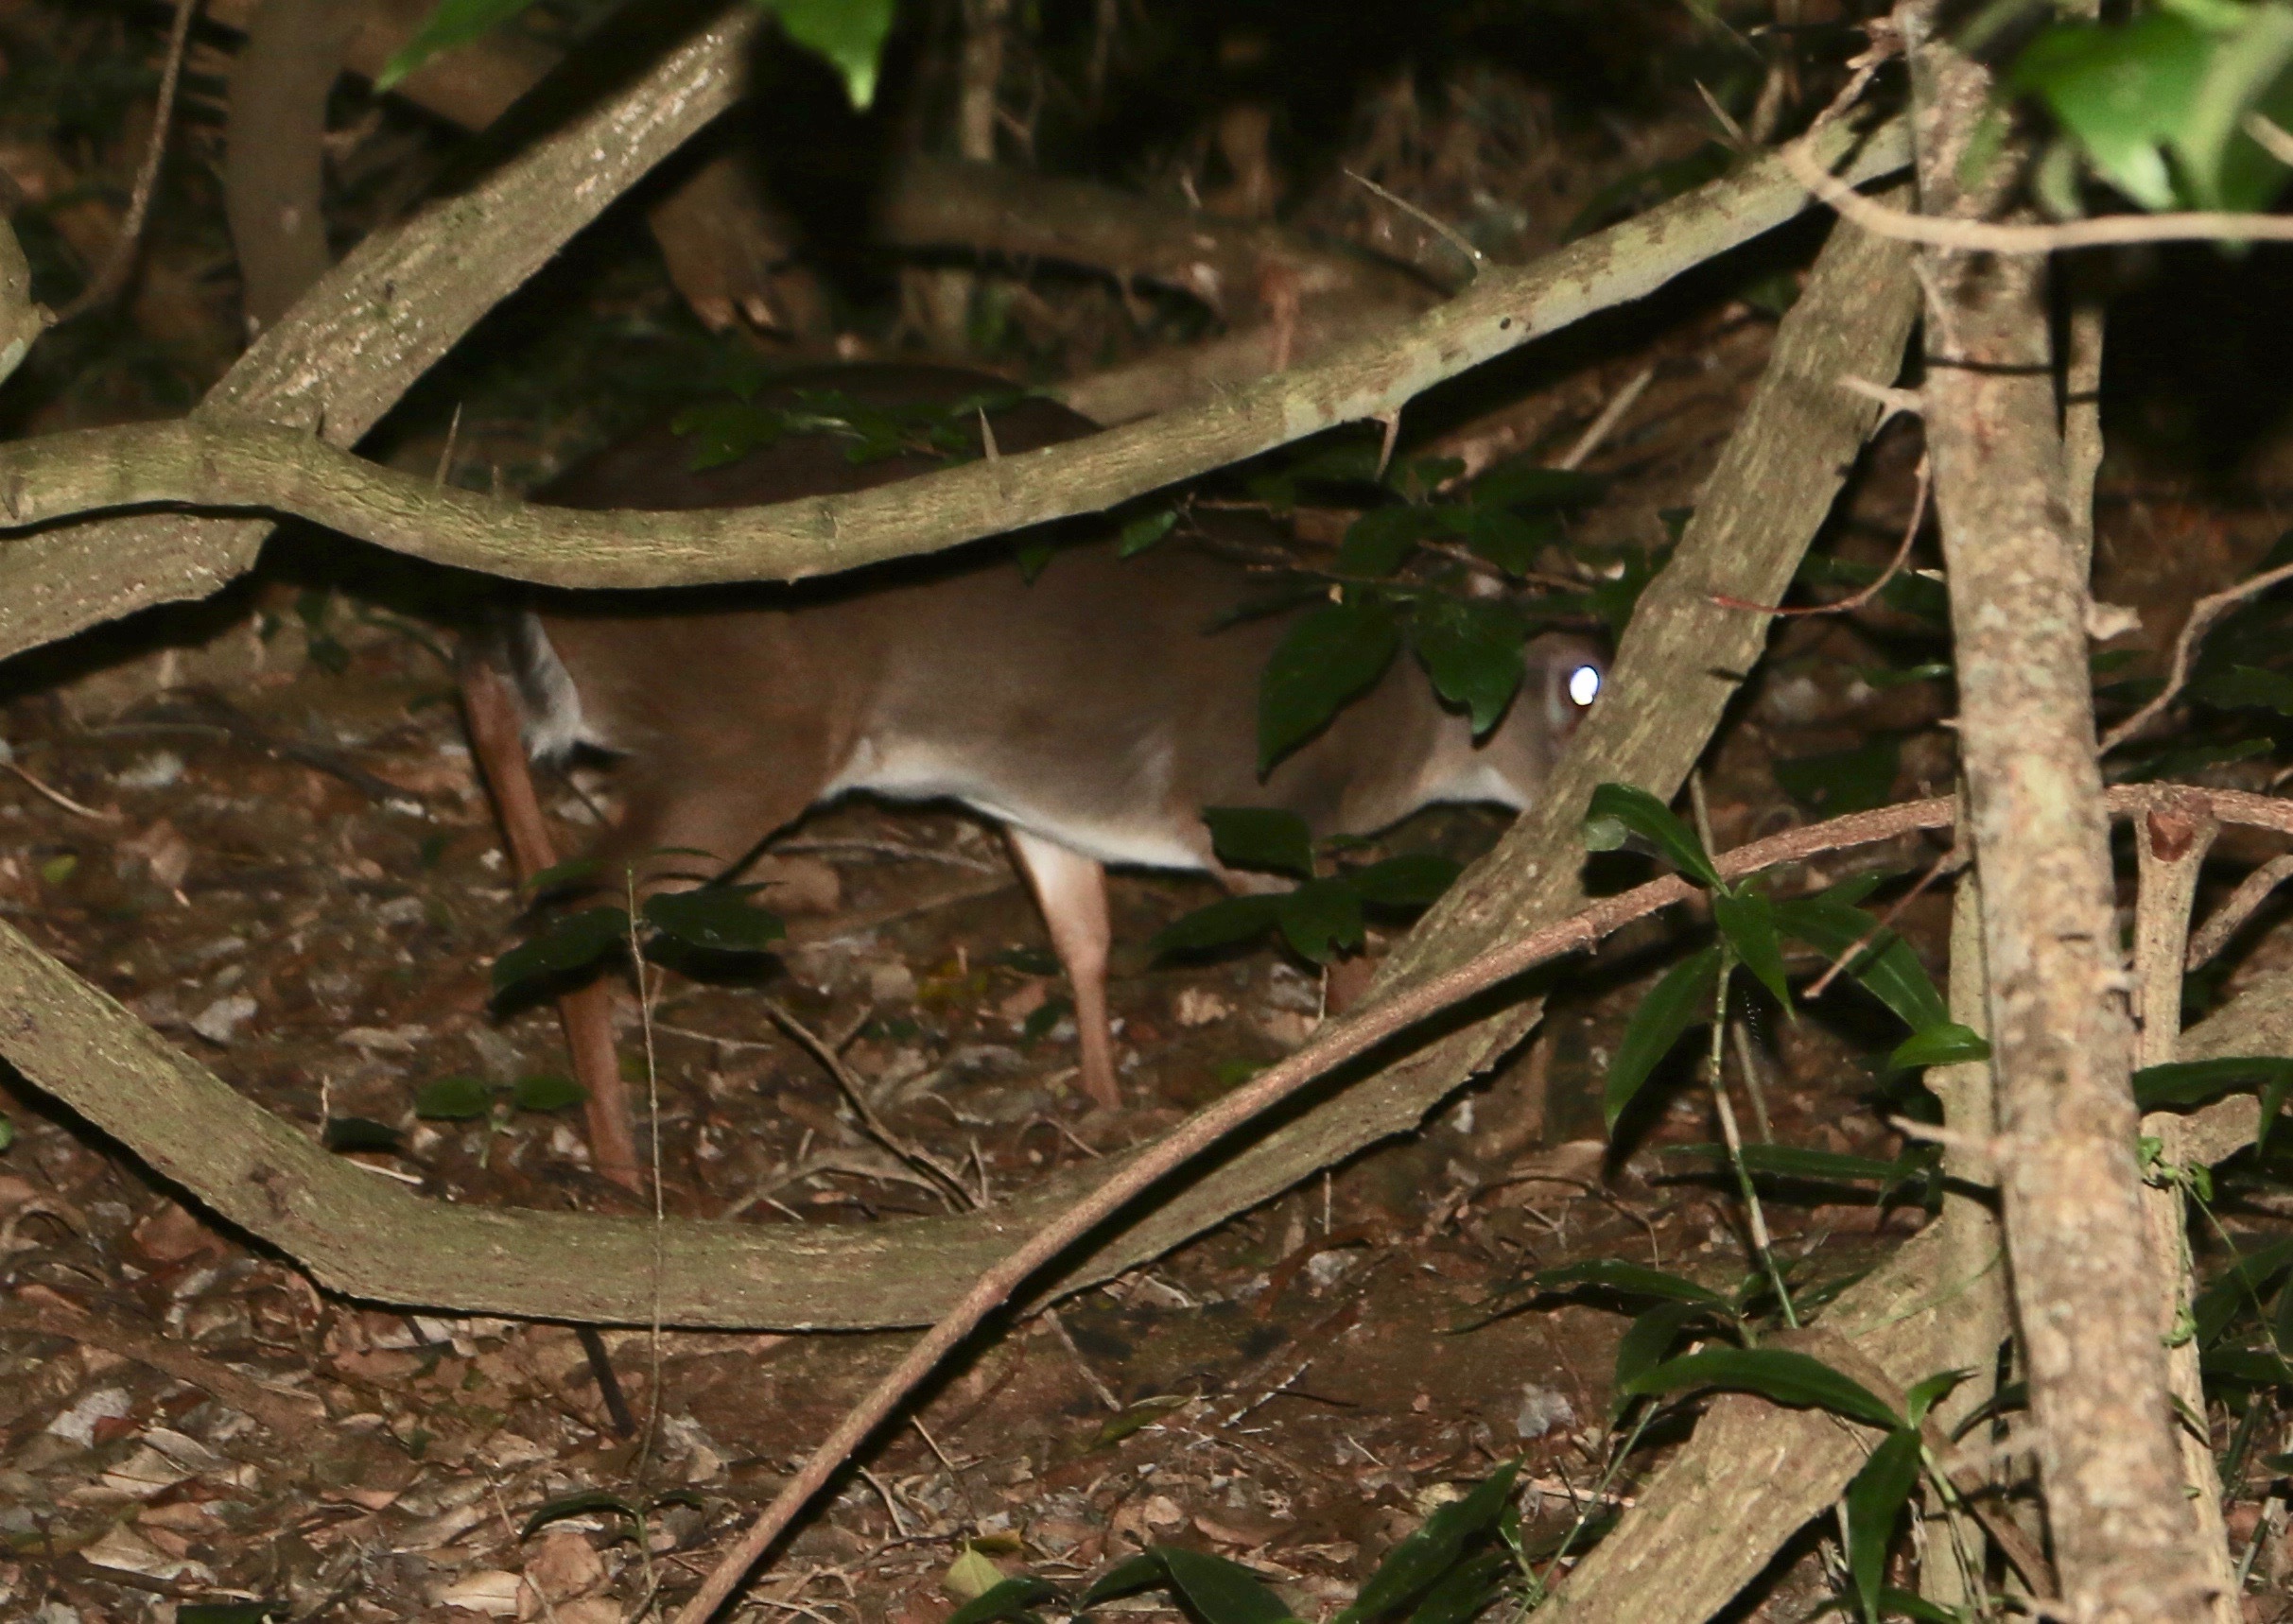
point(207, 463)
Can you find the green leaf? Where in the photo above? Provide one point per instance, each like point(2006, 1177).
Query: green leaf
point(1379, 542)
point(579, 1504)
point(1908, 1604)
point(716, 919)
point(1649, 1340)
point(1948, 1044)
point(453, 1099)
point(1511, 541)
point(2245, 688)
point(2121, 91)
point(1820, 1167)
point(1885, 677)
point(848, 34)
point(1466, 1590)
point(572, 943)
point(1746, 921)
point(1874, 1503)
point(2246, 62)
point(1781, 1375)
point(342, 1133)
point(2243, 1285)
point(722, 432)
point(1033, 558)
point(1843, 781)
point(1924, 1393)
point(1261, 838)
point(1219, 1591)
point(546, 1090)
point(1145, 531)
point(1221, 924)
point(1321, 919)
point(1005, 1598)
point(1620, 809)
point(558, 874)
point(1887, 967)
point(1682, 999)
point(1126, 1577)
point(1323, 660)
point(1632, 1280)
point(1424, 1556)
point(1525, 485)
point(1414, 880)
point(454, 23)
point(2197, 1081)
point(1470, 646)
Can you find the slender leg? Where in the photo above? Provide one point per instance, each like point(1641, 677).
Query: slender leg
point(583, 1013)
point(1071, 890)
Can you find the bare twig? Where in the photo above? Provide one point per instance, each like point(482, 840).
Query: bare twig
point(942, 1177)
point(113, 276)
point(1447, 232)
point(1991, 236)
point(2202, 616)
point(2225, 921)
point(60, 798)
point(1857, 599)
point(1604, 425)
point(1949, 863)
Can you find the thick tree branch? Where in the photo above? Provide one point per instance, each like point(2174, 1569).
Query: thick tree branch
point(2062, 1042)
point(372, 326)
point(200, 464)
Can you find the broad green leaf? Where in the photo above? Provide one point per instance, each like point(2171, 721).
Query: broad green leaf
point(2247, 1367)
point(1620, 809)
point(2245, 64)
point(1326, 659)
point(716, 919)
point(1649, 1340)
point(722, 432)
point(1631, 1279)
point(1949, 1044)
point(1379, 542)
point(2245, 688)
point(1843, 781)
point(1414, 880)
point(342, 1133)
point(2197, 1081)
point(1923, 1394)
point(1126, 1577)
point(1219, 1591)
point(1145, 531)
point(2123, 92)
point(546, 1090)
point(452, 1099)
point(1321, 919)
point(1033, 558)
point(572, 943)
point(1005, 1598)
point(1525, 485)
point(1424, 1556)
point(1886, 967)
point(1885, 677)
point(1874, 1503)
point(1471, 648)
point(1511, 541)
point(1782, 1375)
point(558, 874)
point(848, 34)
point(1221, 924)
point(1421, 476)
point(1746, 921)
point(2241, 1286)
point(972, 1577)
point(1261, 838)
point(1461, 1594)
point(1682, 999)
point(454, 23)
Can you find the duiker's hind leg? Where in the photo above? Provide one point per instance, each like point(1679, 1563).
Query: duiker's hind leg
point(1071, 890)
point(500, 753)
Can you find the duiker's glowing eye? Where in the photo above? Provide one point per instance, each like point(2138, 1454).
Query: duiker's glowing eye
point(1584, 685)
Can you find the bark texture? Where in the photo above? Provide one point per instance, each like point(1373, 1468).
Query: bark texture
point(274, 160)
point(2061, 1040)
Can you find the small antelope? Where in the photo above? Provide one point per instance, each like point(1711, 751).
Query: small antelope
point(1093, 712)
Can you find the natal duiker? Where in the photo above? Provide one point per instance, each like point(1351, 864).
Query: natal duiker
point(1094, 711)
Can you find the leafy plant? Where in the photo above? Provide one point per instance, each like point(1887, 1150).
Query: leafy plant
point(463, 1098)
point(1322, 916)
point(716, 918)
